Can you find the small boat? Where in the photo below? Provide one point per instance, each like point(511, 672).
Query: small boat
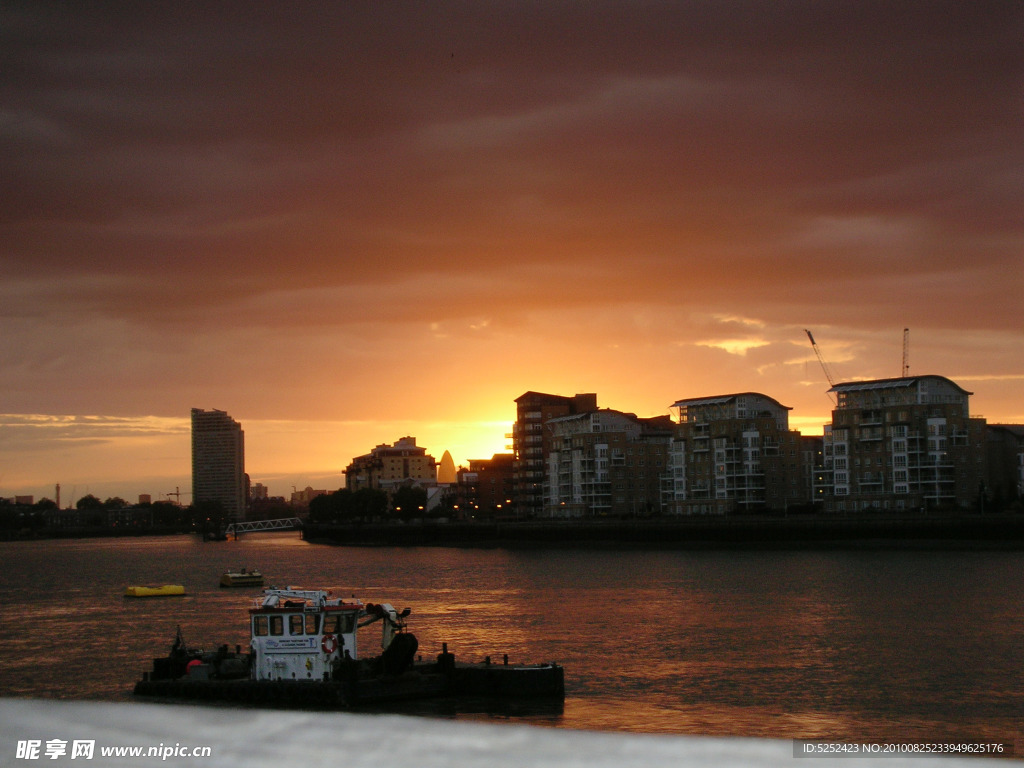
point(167, 590)
point(243, 577)
point(303, 653)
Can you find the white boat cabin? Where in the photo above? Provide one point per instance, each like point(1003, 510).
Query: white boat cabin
point(305, 635)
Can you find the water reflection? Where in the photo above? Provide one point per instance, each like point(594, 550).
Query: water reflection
point(810, 645)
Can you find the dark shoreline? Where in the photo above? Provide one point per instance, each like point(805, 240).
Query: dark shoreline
point(1001, 531)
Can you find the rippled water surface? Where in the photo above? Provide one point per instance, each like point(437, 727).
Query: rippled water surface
point(863, 645)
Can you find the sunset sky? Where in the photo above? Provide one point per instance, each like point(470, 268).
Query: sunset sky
point(346, 222)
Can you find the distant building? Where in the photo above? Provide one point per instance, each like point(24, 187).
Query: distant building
point(258, 492)
point(818, 479)
point(446, 470)
point(485, 489)
point(145, 498)
point(531, 443)
point(303, 497)
point(736, 453)
point(606, 463)
point(906, 443)
point(387, 467)
point(893, 444)
point(1004, 451)
point(218, 461)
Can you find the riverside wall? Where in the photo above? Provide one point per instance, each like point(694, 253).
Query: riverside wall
point(950, 531)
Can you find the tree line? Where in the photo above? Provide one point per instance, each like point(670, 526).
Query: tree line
point(368, 504)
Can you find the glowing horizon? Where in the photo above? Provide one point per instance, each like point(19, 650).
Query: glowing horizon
point(397, 223)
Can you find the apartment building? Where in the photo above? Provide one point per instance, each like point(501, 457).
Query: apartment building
point(1004, 453)
point(531, 444)
point(905, 443)
point(892, 444)
point(387, 467)
point(736, 453)
point(485, 490)
point(606, 463)
point(218, 462)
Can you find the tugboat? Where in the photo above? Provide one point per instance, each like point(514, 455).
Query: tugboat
point(303, 653)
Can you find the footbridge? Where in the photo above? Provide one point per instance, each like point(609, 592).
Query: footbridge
point(283, 524)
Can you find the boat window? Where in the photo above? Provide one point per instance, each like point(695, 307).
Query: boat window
point(259, 626)
point(277, 625)
point(340, 623)
point(312, 623)
point(295, 624)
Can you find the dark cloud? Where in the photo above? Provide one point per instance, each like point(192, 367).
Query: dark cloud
point(182, 178)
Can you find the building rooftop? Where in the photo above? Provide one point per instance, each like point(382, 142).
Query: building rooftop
point(697, 402)
point(903, 381)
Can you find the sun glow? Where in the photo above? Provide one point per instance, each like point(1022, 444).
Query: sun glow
point(734, 346)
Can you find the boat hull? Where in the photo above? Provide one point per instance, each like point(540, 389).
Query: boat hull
point(422, 681)
point(241, 580)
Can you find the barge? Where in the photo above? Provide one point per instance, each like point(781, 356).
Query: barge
point(303, 653)
point(244, 577)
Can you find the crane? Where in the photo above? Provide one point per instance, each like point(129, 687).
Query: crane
point(824, 366)
point(177, 494)
point(906, 352)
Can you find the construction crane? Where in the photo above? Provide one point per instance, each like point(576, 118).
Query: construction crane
point(906, 352)
point(177, 494)
point(824, 366)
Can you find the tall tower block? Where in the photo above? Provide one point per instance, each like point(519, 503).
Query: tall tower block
point(218, 461)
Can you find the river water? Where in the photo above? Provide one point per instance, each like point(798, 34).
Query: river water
point(874, 645)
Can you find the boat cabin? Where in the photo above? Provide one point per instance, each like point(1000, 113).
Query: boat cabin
point(306, 635)
point(300, 634)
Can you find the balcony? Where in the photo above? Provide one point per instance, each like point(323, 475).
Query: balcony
point(871, 418)
point(938, 461)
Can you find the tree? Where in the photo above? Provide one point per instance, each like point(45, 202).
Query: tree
point(324, 509)
point(409, 502)
point(210, 516)
point(345, 505)
point(88, 502)
point(368, 503)
point(167, 514)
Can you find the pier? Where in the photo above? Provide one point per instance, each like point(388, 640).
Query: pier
point(283, 524)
